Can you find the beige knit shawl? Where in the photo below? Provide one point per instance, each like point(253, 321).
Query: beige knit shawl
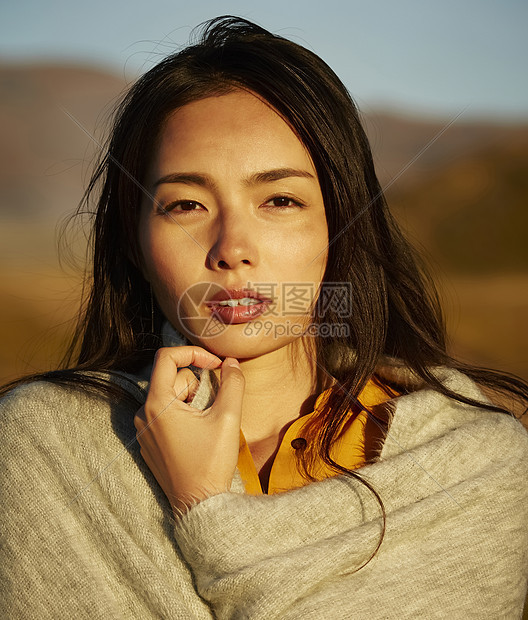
point(87, 533)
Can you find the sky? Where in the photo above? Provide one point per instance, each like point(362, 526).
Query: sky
point(426, 57)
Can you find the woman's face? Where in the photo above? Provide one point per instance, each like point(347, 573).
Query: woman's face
point(234, 235)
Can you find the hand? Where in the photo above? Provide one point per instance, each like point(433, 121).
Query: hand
point(193, 454)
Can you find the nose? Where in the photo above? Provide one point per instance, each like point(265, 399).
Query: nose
point(234, 246)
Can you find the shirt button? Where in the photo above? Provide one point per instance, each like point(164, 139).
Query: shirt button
point(299, 443)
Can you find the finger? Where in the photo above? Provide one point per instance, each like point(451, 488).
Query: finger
point(185, 385)
point(169, 360)
point(175, 397)
point(228, 401)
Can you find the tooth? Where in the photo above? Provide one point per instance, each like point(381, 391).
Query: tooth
point(245, 301)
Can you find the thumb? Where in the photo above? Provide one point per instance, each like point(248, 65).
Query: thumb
point(228, 402)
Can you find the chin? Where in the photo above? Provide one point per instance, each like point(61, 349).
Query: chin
point(245, 340)
point(240, 346)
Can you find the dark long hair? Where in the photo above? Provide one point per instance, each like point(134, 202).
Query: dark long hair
point(394, 307)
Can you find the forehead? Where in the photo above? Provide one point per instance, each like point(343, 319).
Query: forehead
point(235, 129)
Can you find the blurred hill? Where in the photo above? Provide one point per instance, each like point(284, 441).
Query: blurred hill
point(463, 200)
point(472, 212)
point(43, 151)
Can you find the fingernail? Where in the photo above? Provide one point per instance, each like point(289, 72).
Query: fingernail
point(231, 361)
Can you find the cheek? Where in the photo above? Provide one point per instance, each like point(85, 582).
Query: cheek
point(162, 266)
point(309, 252)
point(319, 249)
point(160, 256)
point(173, 272)
point(300, 273)
point(169, 287)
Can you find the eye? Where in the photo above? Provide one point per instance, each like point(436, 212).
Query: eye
point(282, 202)
point(181, 206)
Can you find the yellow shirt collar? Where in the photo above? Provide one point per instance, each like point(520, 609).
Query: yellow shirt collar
point(348, 451)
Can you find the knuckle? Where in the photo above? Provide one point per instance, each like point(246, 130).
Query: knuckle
point(187, 373)
point(162, 353)
point(149, 410)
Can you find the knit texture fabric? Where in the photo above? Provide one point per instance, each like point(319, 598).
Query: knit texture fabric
point(87, 532)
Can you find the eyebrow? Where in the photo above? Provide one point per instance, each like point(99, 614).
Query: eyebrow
point(268, 176)
point(258, 178)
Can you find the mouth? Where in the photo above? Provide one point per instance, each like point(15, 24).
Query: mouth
point(234, 306)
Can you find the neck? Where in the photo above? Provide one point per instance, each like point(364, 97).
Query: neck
point(277, 392)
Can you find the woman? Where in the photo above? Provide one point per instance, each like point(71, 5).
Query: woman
point(307, 447)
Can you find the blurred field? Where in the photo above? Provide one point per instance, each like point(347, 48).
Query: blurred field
point(465, 202)
point(38, 304)
point(487, 320)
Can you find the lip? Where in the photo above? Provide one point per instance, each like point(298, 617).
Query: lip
point(232, 315)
